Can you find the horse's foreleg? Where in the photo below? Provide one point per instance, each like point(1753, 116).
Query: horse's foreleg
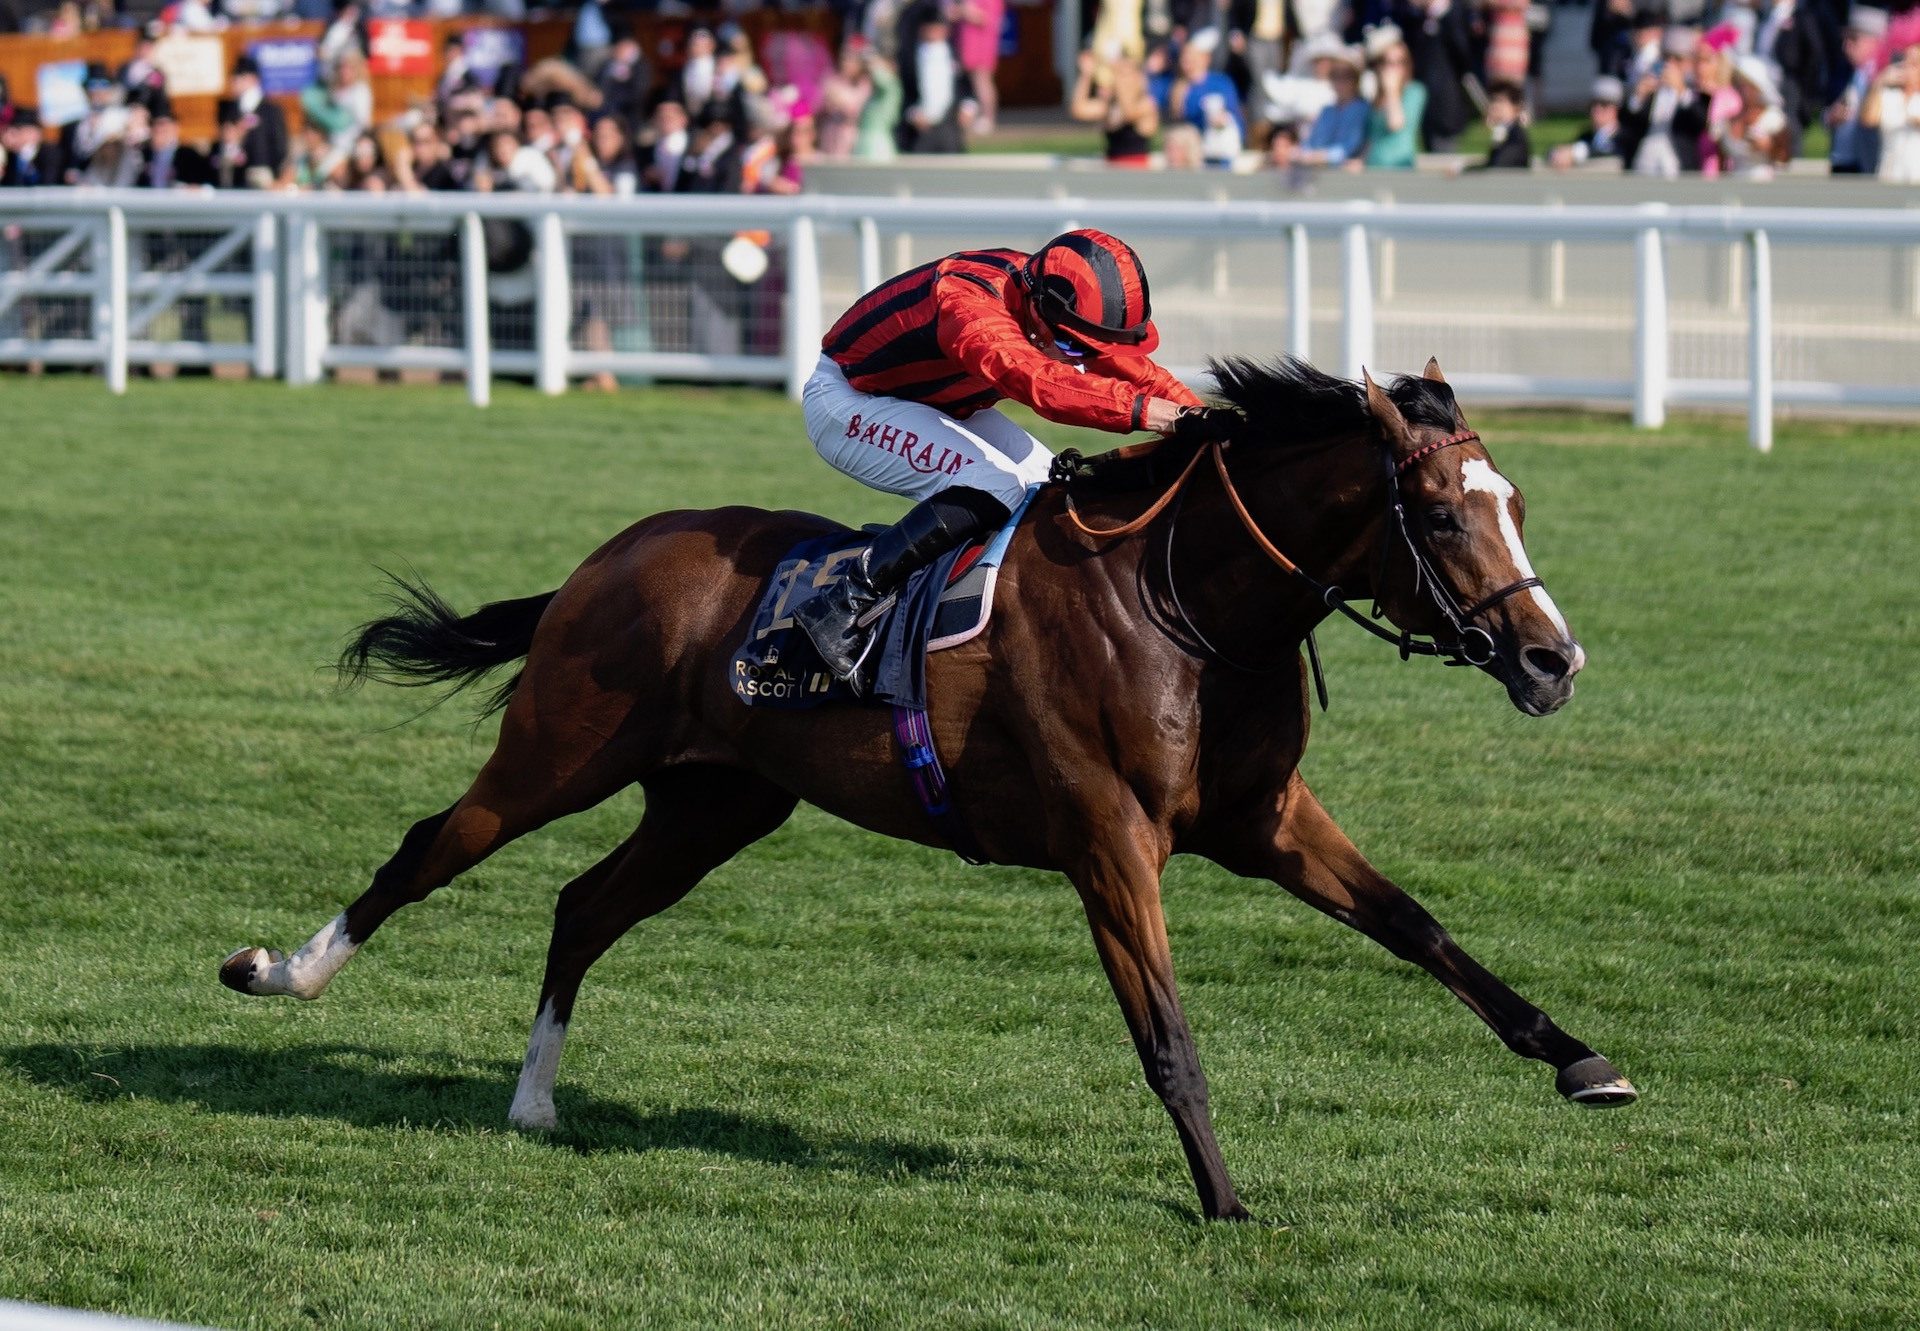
point(1303, 851)
point(697, 819)
point(1120, 889)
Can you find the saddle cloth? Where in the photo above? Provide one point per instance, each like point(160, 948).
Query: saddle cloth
point(943, 605)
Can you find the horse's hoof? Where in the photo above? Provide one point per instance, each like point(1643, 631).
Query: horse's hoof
point(239, 971)
point(1596, 1083)
point(534, 1118)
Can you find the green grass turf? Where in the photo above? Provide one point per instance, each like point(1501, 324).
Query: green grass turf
point(850, 1082)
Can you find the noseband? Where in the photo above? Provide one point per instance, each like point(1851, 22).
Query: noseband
point(1472, 645)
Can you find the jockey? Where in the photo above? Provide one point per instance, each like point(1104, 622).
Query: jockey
point(902, 399)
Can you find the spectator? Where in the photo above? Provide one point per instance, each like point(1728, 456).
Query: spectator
point(263, 126)
point(31, 159)
point(842, 99)
point(1180, 148)
point(117, 162)
point(760, 153)
point(430, 161)
point(346, 33)
point(165, 161)
point(571, 152)
point(1283, 151)
point(1856, 147)
point(799, 148)
point(1644, 55)
point(613, 151)
point(141, 81)
point(874, 139)
point(669, 135)
point(977, 32)
point(230, 166)
point(1113, 94)
point(1759, 136)
point(342, 104)
point(1339, 133)
point(1439, 36)
point(1191, 96)
point(1399, 103)
point(105, 119)
point(1665, 116)
point(1894, 110)
point(931, 122)
point(712, 161)
point(456, 71)
point(1506, 124)
point(1611, 36)
point(625, 81)
point(1600, 140)
point(592, 37)
point(364, 170)
point(1791, 41)
point(313, 160)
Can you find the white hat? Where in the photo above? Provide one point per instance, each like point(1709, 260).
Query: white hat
point(1608, 89)
point(1679, 41)
point(1381, 38)
point(1867, 21)
point(1754, 70)
point(1325, 46)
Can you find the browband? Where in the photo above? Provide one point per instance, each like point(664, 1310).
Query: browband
point(1421, 454)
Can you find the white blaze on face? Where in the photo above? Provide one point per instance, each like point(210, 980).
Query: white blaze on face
point(1477, 476)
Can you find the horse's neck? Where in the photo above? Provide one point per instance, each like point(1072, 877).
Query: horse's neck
point(1319, 508)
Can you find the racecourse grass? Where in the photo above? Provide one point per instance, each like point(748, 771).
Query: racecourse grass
point(851, 1082)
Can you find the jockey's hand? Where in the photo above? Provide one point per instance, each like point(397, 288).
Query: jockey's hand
point(1205, 425)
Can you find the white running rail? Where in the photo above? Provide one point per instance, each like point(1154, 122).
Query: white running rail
point(275, 254)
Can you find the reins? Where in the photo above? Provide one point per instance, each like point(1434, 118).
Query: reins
point(1472, 644)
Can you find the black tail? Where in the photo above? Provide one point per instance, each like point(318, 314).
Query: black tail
point(426, 642)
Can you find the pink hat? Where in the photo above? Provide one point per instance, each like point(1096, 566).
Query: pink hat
point(1721, 37)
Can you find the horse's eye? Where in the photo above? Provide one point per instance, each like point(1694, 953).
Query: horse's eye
point(1440, 518)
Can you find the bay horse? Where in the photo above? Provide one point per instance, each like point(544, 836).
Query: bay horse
point(1109, 718)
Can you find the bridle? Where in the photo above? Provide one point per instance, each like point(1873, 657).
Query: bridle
point(1471, 645)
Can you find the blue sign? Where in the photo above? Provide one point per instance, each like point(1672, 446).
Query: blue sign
point(61, 85)
point(490, 50)
point(287, 64)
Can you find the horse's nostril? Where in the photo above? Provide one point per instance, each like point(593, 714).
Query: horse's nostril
point(1546, 663)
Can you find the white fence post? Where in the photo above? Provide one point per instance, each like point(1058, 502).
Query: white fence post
point(1356, 301)
point(306, 302)
point(1299, 294)
point(113, 277)
point(1760, 343)
point(266, 290)
point(803, 304)
point(553, 307)
point(479, 332)
point(1650, 326)
point(869, 272)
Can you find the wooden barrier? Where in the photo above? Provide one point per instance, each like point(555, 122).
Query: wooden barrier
point(1025, 79)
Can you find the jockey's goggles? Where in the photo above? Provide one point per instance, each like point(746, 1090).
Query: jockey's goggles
point(1070, 349)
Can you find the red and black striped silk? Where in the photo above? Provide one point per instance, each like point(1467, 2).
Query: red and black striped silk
point(1099, 283)
point(949, 334)
point(889, 342)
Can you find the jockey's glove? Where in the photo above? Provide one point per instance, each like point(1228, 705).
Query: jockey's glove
point(1206, 425)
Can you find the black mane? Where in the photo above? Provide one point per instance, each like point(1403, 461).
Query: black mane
point(1312, 404)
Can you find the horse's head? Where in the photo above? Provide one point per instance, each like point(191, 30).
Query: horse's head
point(1454, 566)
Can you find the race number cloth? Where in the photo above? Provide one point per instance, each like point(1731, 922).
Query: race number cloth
point(943, 605)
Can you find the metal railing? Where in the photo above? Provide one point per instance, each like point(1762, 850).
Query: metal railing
point(395, 282)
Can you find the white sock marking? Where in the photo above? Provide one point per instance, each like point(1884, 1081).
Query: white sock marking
point(308, 971)
point(1477, 476)
point(533, 1099)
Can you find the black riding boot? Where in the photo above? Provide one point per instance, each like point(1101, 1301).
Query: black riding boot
point(928, 530)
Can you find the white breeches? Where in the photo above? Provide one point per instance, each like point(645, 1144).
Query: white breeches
point(911, 449)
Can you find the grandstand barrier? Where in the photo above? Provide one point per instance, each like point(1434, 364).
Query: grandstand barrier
point(553, 288)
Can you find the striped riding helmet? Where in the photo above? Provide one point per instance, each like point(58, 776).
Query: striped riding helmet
point(1090, 286)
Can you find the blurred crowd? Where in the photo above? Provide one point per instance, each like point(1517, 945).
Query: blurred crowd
point(1713, 87)
point(705, 114)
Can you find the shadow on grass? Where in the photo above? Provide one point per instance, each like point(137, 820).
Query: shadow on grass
point(372, 1088)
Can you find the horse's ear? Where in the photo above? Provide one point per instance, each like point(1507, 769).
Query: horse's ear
point(1393, 426)
point(1433, 370)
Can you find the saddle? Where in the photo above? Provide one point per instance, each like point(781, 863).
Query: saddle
point(943, 605)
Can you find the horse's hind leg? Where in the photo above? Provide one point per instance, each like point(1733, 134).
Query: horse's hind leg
point(697, 818)
point(535, 775)
point(1305, 852)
